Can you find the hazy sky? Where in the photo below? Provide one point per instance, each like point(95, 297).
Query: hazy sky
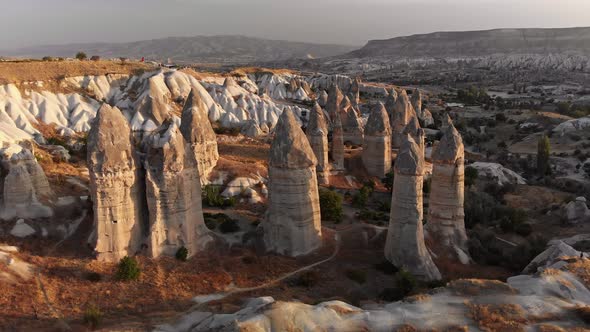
point(40, 22)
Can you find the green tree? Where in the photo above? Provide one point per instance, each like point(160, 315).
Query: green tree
point(128, 269)
point(81, 56)
point(388, 181)
point(543, 151)
point(471, 174)
point(330, 205)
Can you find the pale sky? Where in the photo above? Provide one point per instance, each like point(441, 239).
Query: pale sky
point(353, 22)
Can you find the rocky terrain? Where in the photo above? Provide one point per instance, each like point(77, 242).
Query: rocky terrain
point(134, 197)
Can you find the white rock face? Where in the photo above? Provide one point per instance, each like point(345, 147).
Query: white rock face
point(293, 223)
point(423, 114)
point(446, 215)
point(352, 128)
point(405, 246)
point(115, 186)
point(21, 229)
point(401, 115)
point(572, 125)
point(24, 185)
point(251, 129)
point(197, 130)
point(497, 173)
point(173, 191)
point(554, 254)
point(317, 134)
point(377, 143)
point(577, 211)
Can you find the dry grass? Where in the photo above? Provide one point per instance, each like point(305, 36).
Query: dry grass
point(32, 71)
point(581, 268)
point(499, 317)
point(474, 287)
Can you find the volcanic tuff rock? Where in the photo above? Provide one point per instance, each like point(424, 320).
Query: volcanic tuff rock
point(293, 223)
point(251, 129)
point(173, 191)
point(337, 147)
point(446, 214)
point(352, 129)
point(416, 132)
point(390, 101)
point(402, 113)
point(317, 134)
point(24, 185)
point(354, 92)
point(115, 186)
point(423, 114)
point(334, 104)
point(377, 144)
point(405, 246)
point(197, 130)
point(577, 211)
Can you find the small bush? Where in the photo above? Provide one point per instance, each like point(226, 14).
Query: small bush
point(92, 316)
point(386, 267)
point(128, 269)
point(357, 276)
point(308, 279)
point(330, 205)
point(405, 282)
point(524, 229)
point(388, 181)
point(471, 175)
point(229, 226)
point(94, 277)
point(81, 56)
point(182, 254)
point(361, 198)
point(212, 198)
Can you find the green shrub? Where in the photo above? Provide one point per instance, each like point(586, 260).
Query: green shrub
point(212, 198)
point(361, 198)
point(386, 267)
point(358, 276)
point(94, 277)
point(81, 56)
point(405, 282)
point(388, 181)
point(128, 269)
point(426, 186)
point(330, 205)
point(182, 254)
point(92, 316)
point(307, 279)
point(229, 226)
point(524, 229)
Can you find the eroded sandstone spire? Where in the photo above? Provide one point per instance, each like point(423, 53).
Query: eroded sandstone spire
point(337, 147)
point(114, 186)
point(416, 132)
point(390, 105)
point(405, 246)
point(352, 129)
point(423, 114)
point(354, 92)
point(334, 103)
point(173, 191)
point(377, 143)
point(317, 134)
point(197, 130)
point(402, 113)
point(446, 213)
point(293, 223)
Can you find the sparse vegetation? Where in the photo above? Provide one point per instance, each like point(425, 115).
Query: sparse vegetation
point(212, 198)
point(388, 181)
point(182, 254)
point(471, 175)
point(543, 152)
point(92, 316)
point(128, 269)
point(358, 276)
point(330, 205)
point(361, 198)
point(81, 56)
point(223, 221)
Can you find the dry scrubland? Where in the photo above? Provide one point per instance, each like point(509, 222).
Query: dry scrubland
point(31, 71)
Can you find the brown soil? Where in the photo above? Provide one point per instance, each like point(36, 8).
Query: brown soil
point(32, 71)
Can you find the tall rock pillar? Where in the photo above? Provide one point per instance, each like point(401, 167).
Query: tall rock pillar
point(402, 113)
point(114, 186)
point(405, 246)
point(377, 144)
point(173, 191)
point(197, 130)
point(293, 223)
point(446, 214)
point(317, 134)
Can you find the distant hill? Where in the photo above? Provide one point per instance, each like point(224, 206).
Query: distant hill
point(570, 41)
point(216, 49)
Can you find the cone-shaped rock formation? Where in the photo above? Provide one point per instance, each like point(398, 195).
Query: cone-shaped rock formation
point(377, 144)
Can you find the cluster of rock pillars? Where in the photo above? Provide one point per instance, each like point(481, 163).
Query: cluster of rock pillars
point(146, 193)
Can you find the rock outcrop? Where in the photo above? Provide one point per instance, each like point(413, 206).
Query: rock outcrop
point(173, 192)
point(317, 134)
point(402, 113)
point(115, 186)
point(405, 246)
point(352, 129)
point(337, 147)
point(577, 211)
point(293, 223)
point(446, 213)
point(197, 130)
point(423, 114)
point(251, 129)
point(24, 188)
point(354, 92)
point(377, 144)
point(334, 103)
